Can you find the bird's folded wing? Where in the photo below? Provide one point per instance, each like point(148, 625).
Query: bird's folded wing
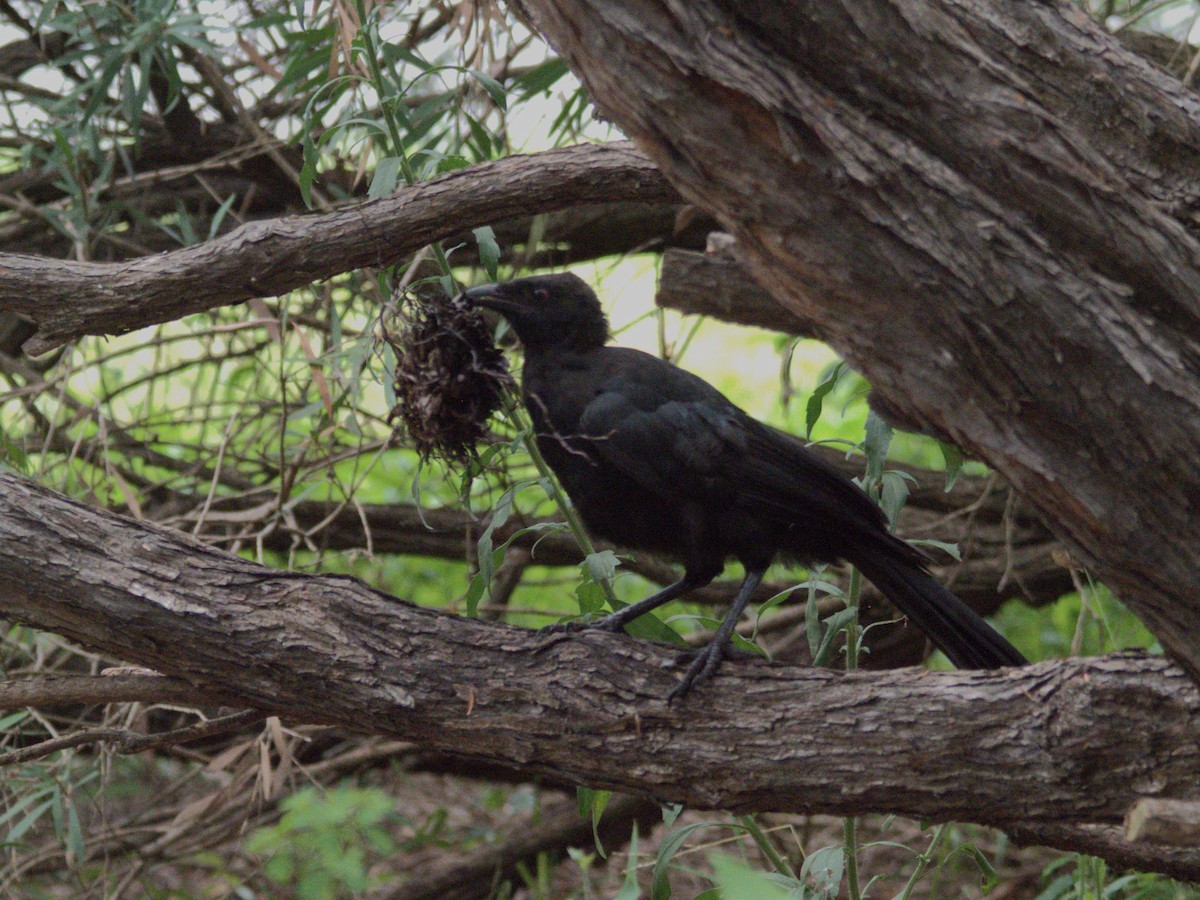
point(714, 453)
point(667, 448)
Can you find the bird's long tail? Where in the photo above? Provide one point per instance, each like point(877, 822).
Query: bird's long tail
point(955, 629)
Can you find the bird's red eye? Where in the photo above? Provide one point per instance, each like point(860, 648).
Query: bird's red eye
point(540, 293)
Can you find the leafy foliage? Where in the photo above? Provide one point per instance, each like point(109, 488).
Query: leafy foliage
point(320, 844)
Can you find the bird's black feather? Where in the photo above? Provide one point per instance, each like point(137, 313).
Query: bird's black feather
point(656, 459)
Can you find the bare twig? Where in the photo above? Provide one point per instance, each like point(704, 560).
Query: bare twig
point(126, 741)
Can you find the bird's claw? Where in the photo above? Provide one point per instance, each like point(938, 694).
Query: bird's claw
point(574, 626)
point(703, 665)
point(562, 631)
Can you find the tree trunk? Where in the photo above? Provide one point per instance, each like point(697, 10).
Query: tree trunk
point(990, 209)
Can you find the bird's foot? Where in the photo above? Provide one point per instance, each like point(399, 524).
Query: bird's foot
point(703, 665)
point(574, 626)
point(561, 631)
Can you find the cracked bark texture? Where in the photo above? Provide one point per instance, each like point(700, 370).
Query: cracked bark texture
point(1068, 741)
point(989, 209)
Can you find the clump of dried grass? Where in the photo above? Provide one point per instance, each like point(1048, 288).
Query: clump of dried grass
point(449, 378)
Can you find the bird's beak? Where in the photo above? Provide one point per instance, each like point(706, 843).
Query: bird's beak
point(491, 296)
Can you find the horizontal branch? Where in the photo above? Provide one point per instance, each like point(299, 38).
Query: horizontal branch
point(717, 285)
point(1174, 823)
point(1067, 741)
point(68, 299)
point(593, 231)
point(69, 690)
point(1110, 844)
point(123, 740)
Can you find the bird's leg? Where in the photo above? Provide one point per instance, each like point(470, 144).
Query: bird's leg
point(710, 656)
point(617, 621)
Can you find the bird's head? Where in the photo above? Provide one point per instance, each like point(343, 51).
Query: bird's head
point(547, 311)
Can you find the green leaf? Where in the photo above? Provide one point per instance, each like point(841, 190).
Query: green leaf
point(387, 173)
point(875, 444)
point(812, 622)
point(738, 881)
point(474, 594)
point(660, 885)
point(812, 411)
point(494, 88)
point(952, 549)
point(279, 868)
point(308, 172)
point(12, 453)
point(954, 459)
point(590, 597)
point(823, 870)
point(773, 602)
point(541, 77)
point(74, 835)
point(833, 625)
point(601, 564)
point(489, 250)
point(481, 135)
point(746, 645)
point(592, 804)
point(18, 830)
point(894, 495)
point(98, 87)
point(629, 890)
point(219, 216)
point(987, 873)
point(13, 811)
point(13, 719)
point(450, 163)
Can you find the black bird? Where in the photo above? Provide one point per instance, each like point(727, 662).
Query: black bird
point(658, 460)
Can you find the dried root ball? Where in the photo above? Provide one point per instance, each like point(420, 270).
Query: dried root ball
point(449, 376)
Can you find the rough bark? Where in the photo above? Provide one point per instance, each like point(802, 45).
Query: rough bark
point(989, 209)
point(717, 285)
point(1069, 741)
point(595, 231)
point(77, 689)
point(1173, 823)
point(68, 299)
point(1110, 844)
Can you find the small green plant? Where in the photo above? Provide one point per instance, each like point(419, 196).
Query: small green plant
point(320, 845)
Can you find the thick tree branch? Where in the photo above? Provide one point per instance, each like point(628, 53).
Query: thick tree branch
point(265, 258)
point(1072, 741)
point(988, 209)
